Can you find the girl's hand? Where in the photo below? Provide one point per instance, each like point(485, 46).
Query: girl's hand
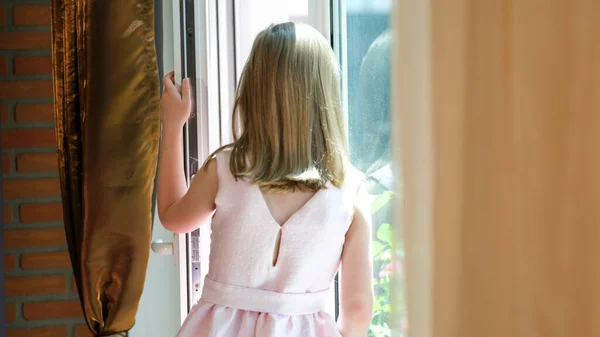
point(175, 108)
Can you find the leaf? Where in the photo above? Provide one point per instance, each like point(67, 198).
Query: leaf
point(381, 201)
point(384, 233)
point(386, 256)
point(376, 248)
point(376, 308)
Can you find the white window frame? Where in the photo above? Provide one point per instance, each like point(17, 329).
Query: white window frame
point(179, 240)
point(191, 250)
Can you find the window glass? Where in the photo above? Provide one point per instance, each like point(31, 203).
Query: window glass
point(298, 10)
point(367, 39)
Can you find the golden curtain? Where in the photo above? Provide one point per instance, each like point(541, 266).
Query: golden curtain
point(498, 114)
point(106, 89)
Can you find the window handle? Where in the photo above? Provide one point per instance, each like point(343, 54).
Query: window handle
point(167, 248)
point(162, 248)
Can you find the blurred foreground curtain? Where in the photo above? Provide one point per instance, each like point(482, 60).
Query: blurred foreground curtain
point(498, 115)
point(106, 106)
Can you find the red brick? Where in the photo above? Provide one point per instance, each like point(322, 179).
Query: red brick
point(5, 163)
point(37, 162)
point(4, 113)
point(32, 15)
point(25, 89)
point(33, 65)
point(9, 262)
point(35, 285)
point(47, 331)
point(41, 212)
point(2, 15)
point(82, 331)
point(3, 66)
point(53, 260)
point(11, 312)
point(22, 238)
point(28, 138)
point(30, 188)
point(34, 113)
point(25, 40)
point(51, 310)
point(7, 214)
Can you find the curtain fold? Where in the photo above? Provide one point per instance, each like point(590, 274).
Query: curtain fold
point(498, 116)
point(106, 89)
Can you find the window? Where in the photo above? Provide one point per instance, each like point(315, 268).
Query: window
point(362, 40)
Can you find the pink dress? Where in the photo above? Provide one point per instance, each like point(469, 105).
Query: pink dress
point(244, 294)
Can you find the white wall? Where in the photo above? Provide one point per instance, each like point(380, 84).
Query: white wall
point(158, 313)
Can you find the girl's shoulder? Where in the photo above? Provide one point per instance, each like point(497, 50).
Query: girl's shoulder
point(222, 156)
point(354, 179)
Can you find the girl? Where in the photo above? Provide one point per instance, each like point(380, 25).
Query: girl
point(287, 208)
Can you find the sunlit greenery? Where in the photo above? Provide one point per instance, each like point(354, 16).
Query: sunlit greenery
point(384, 267)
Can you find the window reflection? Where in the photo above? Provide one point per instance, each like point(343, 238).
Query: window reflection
point(368, 42)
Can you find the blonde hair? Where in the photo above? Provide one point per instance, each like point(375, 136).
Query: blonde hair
point(288, 127)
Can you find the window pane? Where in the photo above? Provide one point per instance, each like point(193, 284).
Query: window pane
point(298, 10)
point(251, 17)
point(368, 50)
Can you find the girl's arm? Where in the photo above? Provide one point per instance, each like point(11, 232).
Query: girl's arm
point(181, 210)
point(356, 299)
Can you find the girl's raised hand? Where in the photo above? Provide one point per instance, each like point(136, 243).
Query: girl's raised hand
point(175, 107)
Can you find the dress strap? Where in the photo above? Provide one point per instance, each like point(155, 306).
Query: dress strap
point(223, 170)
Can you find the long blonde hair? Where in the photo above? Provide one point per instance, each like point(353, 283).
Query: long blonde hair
point(288, 127)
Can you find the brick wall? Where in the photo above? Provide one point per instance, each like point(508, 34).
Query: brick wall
point(41, 299)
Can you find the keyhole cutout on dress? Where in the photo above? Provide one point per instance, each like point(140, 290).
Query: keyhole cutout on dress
point(277, 247)
point(281, 208)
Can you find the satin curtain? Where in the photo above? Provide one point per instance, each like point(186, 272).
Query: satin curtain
point(498, 115)
point(106, 106)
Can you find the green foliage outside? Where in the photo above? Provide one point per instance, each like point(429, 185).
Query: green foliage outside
point(384, 267)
